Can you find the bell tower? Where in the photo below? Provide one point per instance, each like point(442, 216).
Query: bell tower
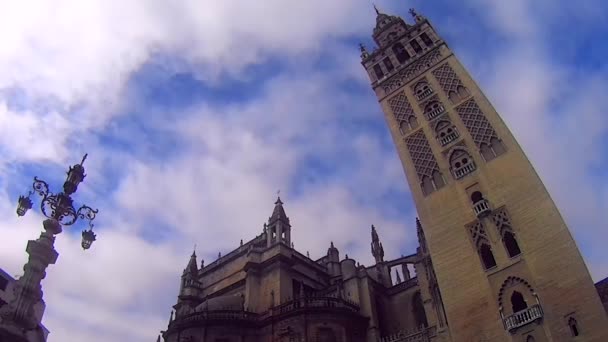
point(506, 265)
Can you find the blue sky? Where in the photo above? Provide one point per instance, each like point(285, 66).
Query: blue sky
point(195, 113)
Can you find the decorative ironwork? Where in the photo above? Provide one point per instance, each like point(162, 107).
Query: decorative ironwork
point(476, 122)
point(421, 154)
point(59, 207)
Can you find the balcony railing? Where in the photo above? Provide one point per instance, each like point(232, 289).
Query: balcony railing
point(426, 93)
point(417, 335)
point(523, 317)
point(448, 138)
point(481, 207)
point(464, 170)
point(435, 112)
point(315, 302)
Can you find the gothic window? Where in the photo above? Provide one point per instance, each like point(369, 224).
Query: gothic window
point(378, 71)
point(461, 163)
point(511, 244)
point(424, 161)
point(422, 90)
point(487, 257)
point(401, 53)
point(414, 44)
point(387, 63)
point(450, 83)
point(426, 40)
point(419, 313)
point(433, 109)
point(518, 303)
point(573, 327)
point(446, 132)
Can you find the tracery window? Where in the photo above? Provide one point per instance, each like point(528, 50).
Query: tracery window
point(461, 163)
point(446, 132)
point(503, 224)
point(422, 90)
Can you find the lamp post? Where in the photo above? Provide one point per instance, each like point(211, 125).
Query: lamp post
point(17, 321)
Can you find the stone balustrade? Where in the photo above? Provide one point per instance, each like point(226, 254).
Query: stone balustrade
point(523, 317)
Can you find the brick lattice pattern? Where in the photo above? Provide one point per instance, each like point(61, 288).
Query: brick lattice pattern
point(448, 79)
point(501, 220)
point(478, 233)
point(421, 154)
point(475, 121)
point(411, 71)
point(402, 110)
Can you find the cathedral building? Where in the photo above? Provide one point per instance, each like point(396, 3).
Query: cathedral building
point(495, 262)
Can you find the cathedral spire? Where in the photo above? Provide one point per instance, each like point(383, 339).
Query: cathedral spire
point(191, 268)
point(377, 249)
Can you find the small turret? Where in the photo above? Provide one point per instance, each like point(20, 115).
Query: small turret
point(278, 228)
point(190, 288)
point(333, 260)
point(377, 249)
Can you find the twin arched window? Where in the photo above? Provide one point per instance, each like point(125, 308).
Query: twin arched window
point(461, 163)
point(422, 90)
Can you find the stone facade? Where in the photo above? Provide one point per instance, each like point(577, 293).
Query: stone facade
point(265, 290)
point(495, 262)
point(504, 259)
point(602, 290)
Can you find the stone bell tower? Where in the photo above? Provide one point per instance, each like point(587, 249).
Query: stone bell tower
point(506, 264)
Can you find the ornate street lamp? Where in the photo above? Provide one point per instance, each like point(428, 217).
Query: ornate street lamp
point(59, 207)
point(16, 318)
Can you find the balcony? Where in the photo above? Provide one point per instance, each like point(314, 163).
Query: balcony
point(523, 317)
point(464, 170)
point(481, 208)
point(448, 138)
point(421, 334)
point(435, 113)
point(424, 94)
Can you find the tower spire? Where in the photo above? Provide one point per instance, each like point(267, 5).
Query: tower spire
point(377, 249)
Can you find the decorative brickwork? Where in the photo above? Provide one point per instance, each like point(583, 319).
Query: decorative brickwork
point(501, 219)
point(402, 110)
point(411, 71)
point(475, 121)
point(448, 79)
point(478, 233)
point(421, 154)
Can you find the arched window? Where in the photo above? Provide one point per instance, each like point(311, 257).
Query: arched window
point(378, 70)
point(530, 339)
point(413, 122)
point(486, 152)
point(461, 163)
point(422, 90)
point(438, 180)
point(419, 314)
point(511, 244)
point(487, 257)
point(434, 108)
point(573, 326)
point(404, 127)
point(518, 303)
point(492, 150)
point(497, 146)
point(401, 53)
point(476, 197)
point(427, 185)
point(446, 133)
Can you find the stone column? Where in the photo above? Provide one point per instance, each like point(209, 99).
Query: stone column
point(17, 317)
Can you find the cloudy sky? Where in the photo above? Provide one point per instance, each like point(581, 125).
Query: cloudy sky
point(194, 114)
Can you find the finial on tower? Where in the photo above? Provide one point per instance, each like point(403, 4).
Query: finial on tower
point(413, 12)
point(376, 9)
point(364, 53)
